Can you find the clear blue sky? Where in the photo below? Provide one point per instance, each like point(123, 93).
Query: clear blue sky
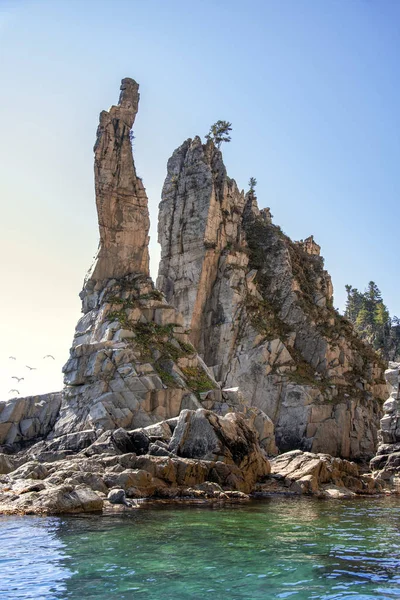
point(311, 87)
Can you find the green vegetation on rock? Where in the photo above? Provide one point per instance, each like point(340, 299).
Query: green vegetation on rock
point(197, 379)
point(372, 321)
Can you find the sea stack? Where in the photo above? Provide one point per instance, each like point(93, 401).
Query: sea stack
point(121, 200)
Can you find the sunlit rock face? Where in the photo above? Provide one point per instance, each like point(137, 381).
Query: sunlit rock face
point(121, 200)
point(260, 312)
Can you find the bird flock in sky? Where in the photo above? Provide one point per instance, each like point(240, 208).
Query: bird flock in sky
point(19, 379)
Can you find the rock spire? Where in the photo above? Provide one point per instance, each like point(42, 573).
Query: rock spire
point(121, 199)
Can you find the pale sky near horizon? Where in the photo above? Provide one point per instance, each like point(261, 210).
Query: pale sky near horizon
point(311, 87)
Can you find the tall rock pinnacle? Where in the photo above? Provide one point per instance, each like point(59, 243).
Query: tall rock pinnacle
point(131, 362)
point(121, 199)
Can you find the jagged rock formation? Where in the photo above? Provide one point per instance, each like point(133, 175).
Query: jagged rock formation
point(225, 461)
point(29, 418)
point(259, 308)
point(141, 414)
point(387, 460)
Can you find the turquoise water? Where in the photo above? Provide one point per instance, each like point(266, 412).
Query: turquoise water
point(292, 548)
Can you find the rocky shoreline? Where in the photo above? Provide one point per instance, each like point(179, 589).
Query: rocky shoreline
point(197, 456)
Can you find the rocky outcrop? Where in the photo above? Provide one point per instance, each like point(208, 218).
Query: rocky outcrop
point(141, 414)
point(319, 475)
point(260, 312)
point(386, 464)
point(131, 362)
point(25, 419)
point(204, 435)
point(205, 456)
point(202, 456)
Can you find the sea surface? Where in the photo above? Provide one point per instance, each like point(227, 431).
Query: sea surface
point(296, 548)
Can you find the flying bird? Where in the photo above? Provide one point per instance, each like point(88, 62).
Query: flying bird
point(13, 391)
point(12, 357)
point(30, 368)
point(17, 378)
point(49, 356)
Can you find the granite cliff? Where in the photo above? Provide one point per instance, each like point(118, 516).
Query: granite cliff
point(260, 313)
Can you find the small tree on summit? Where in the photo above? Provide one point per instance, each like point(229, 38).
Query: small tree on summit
point(219, 132)
point(252, 183)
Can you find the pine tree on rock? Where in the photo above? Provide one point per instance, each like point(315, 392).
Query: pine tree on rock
point(219, 132)
point(252, 184)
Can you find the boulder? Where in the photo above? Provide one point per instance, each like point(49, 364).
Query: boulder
point(202, 434)
point(53, 500)
point(322, 475)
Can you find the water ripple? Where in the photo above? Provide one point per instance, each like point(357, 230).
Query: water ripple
point(303, 549)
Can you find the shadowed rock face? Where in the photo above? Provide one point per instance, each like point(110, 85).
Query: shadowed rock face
point(260, 310)
point(121, 199)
